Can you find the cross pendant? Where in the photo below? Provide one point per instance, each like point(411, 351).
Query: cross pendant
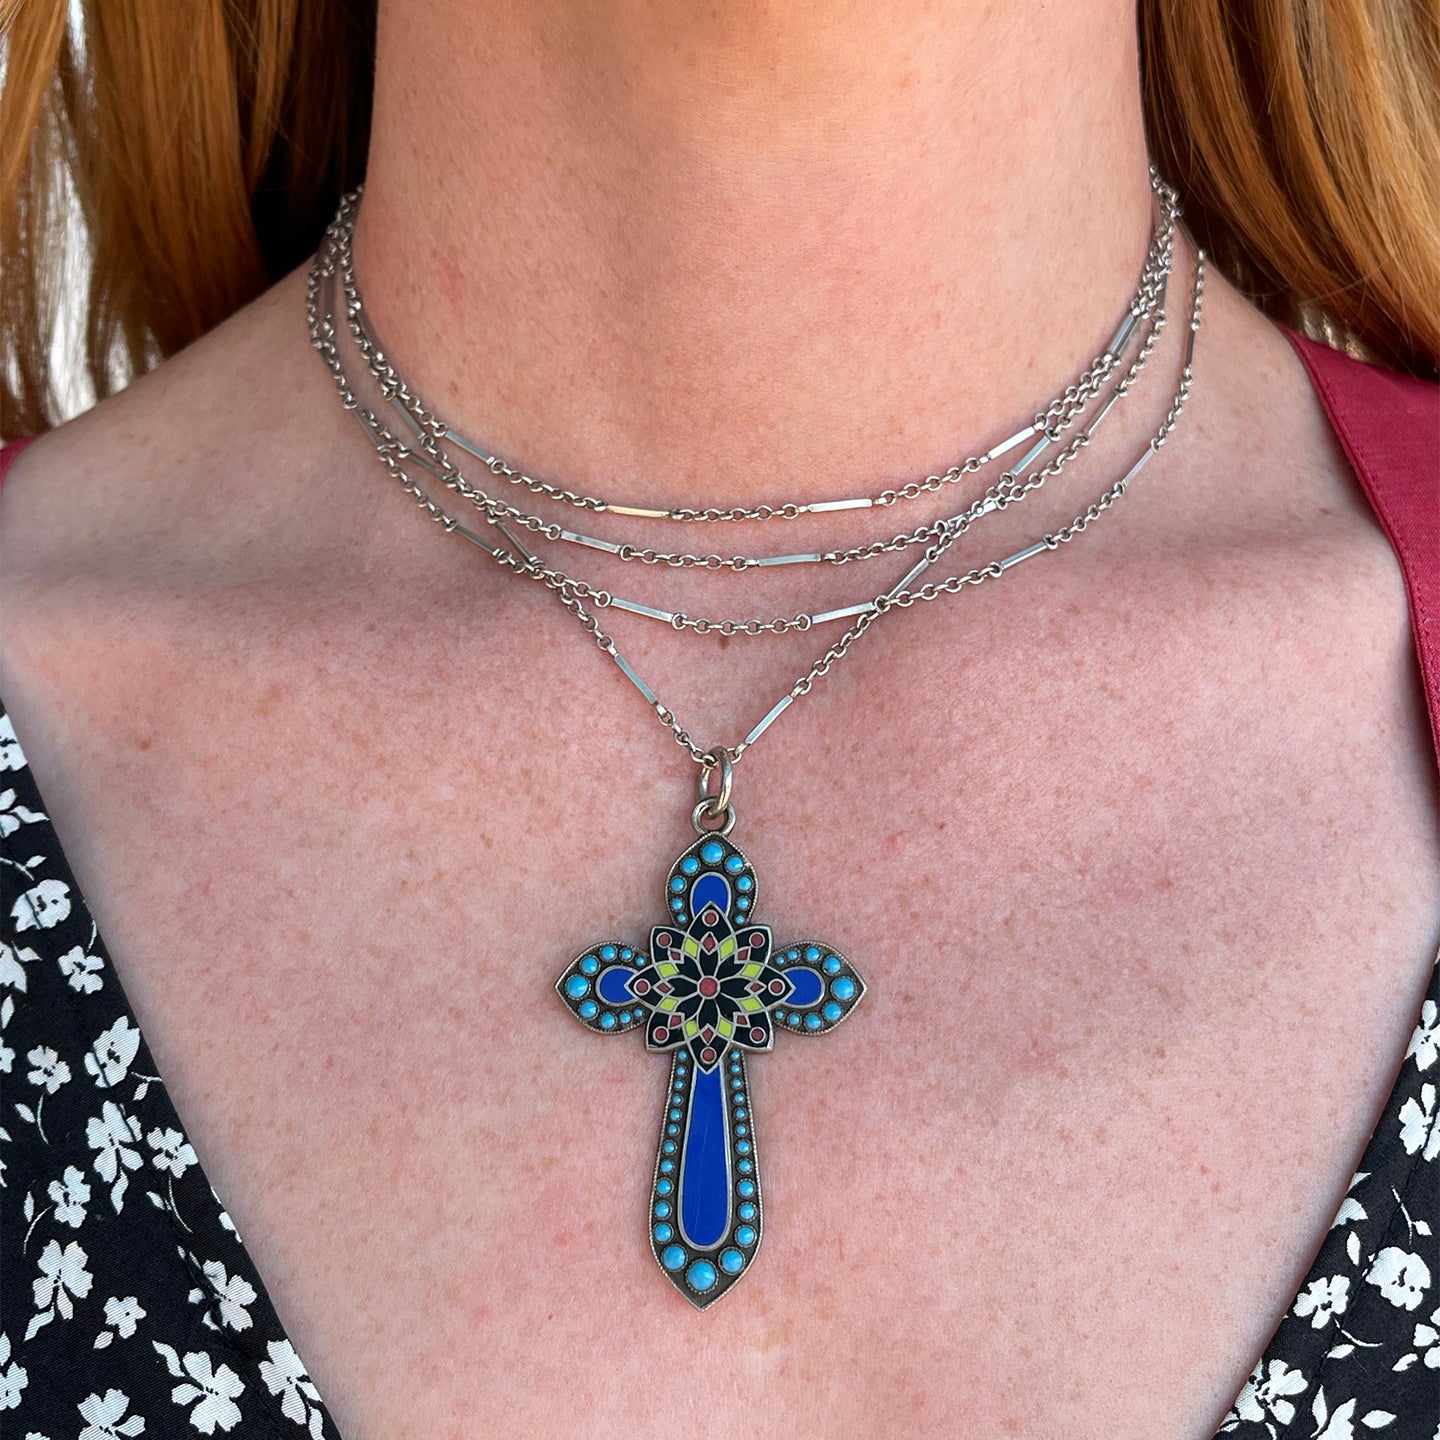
point(711, 988)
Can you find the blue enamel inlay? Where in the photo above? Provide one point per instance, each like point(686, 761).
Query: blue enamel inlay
point(704, 1166)
point(613, 986)
point(710, 890)
point(705, 1202)
point(809, 987)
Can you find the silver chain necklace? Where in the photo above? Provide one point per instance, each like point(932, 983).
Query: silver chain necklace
point(710, 985)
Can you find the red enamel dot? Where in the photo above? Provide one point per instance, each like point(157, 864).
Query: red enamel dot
point(756, 940)
point(662, 1034)
point(757, 1035)
point(709, 986)
point(663, 941)
point(777, 987)
point(708, 1055)
point(640, 987)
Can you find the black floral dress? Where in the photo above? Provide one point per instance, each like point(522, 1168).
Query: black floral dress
point(129, 1306)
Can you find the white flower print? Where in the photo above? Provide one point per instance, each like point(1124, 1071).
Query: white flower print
point(12, 964)
point(105, 1417)
point(123, 1315)
point(172, 1151)
point(112, 1133)
point(42, 906)
point(112, 1053)
point(284, 1375)
point(1341, 1424)
point(1420, 1124)
point(7, 1059)
point(1324, 1299)
point(81, 970)
point(1264, 1395)
point(225, 1220)
point(216, 1388)
point(1402, 1278)
point(14, 1377)
point(13, 816)
point(1427, 1342)
point(1425, 1042)
point(62, 1274)
point(11, 755)
point(71, 1195)
point(48, 1069)
point(233, 1292)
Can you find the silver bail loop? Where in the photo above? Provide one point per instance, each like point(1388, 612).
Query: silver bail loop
point(714, 806)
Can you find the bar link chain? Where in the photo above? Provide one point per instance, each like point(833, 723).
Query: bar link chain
point(573, 592)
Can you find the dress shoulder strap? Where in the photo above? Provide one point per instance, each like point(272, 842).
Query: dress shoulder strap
point(1389, 428)
point(10, 453)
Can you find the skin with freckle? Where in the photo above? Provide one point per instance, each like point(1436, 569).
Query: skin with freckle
point(1135, 849)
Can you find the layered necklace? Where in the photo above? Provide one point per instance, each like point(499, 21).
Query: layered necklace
point(710, 985)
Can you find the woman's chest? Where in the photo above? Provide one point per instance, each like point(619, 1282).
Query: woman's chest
point(1140, 960)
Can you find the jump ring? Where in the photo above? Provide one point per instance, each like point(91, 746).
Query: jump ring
point(702, 812)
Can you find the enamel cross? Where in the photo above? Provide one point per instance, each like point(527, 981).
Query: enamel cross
point(711, 988)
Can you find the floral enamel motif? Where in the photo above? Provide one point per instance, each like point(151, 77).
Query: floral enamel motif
point(712, 987)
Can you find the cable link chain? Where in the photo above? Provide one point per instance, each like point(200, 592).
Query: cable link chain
point(1009, 489)
point(1056, 416)
point(572, 592)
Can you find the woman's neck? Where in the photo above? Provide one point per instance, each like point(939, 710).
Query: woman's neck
point(748, 250)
